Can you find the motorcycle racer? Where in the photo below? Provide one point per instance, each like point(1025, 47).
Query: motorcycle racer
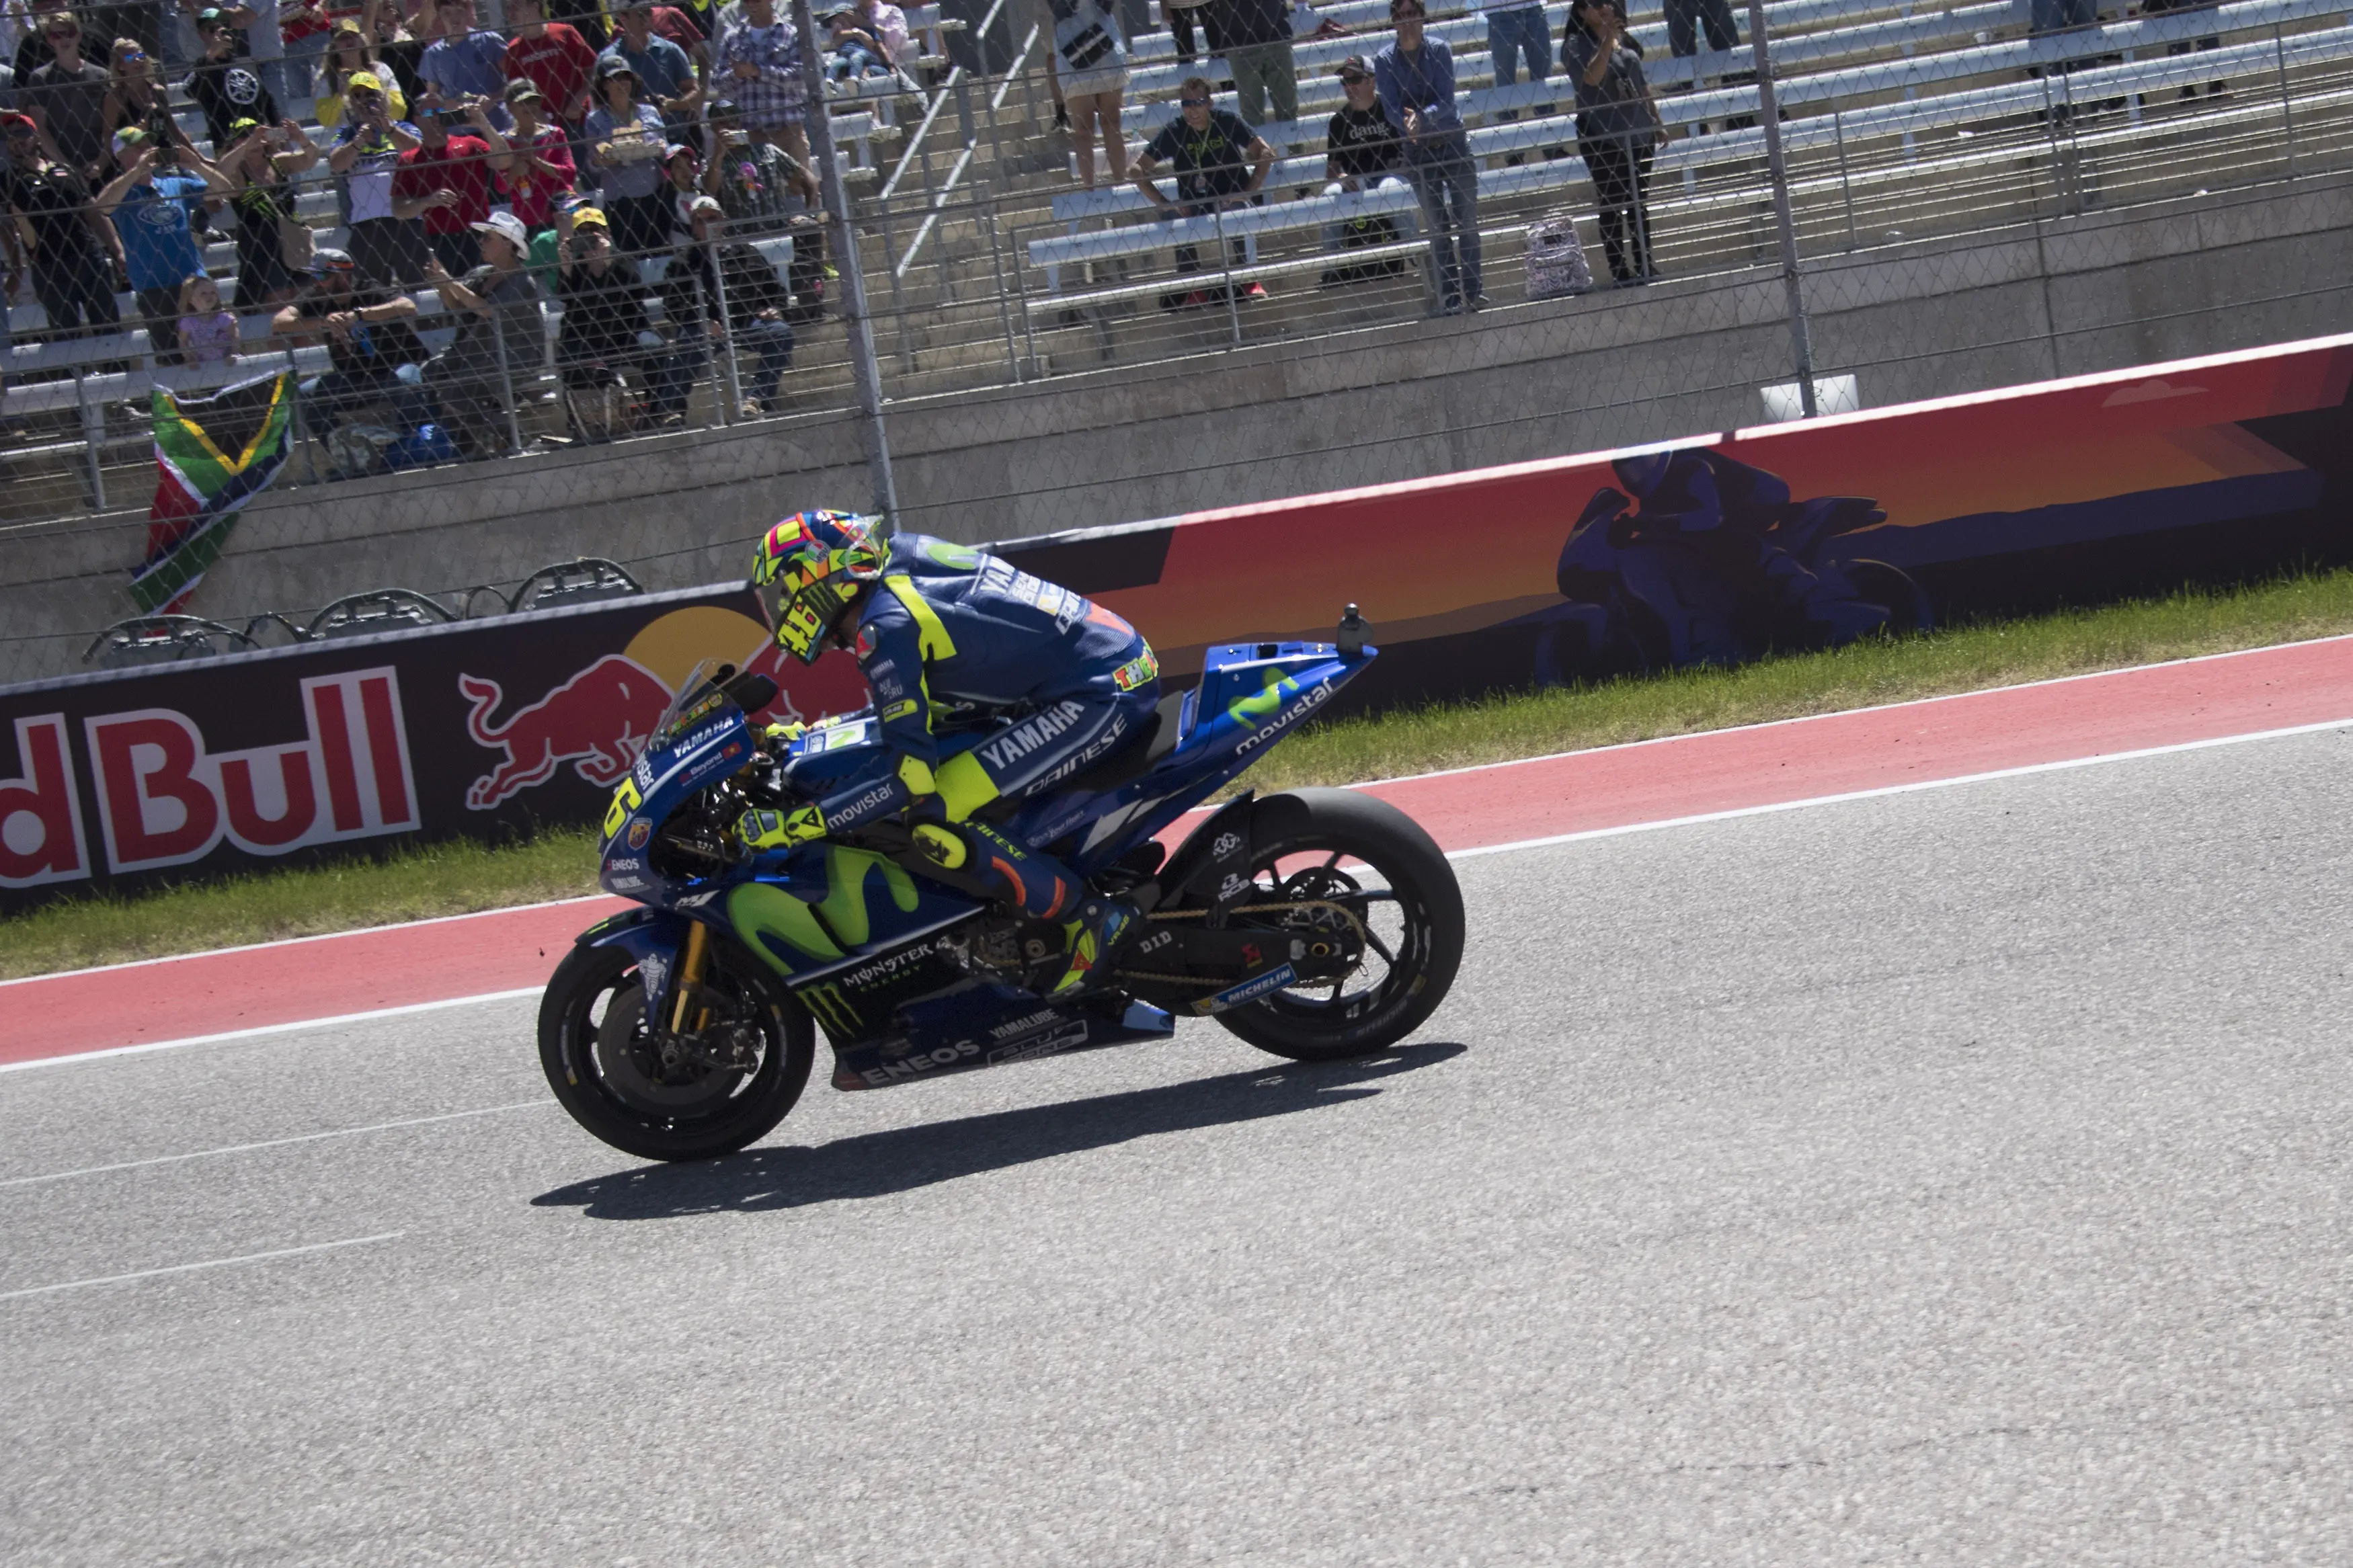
point(928, 620)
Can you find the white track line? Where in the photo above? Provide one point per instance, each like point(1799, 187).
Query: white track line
point(1517, 843)
point(275, 1142)
point(208, 1263)
point(296, 941)
point(260, 1030)
point(1896, 789)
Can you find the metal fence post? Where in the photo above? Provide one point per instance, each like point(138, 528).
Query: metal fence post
point(864, 373)
point(1801, 341)
point(1226, 265)
point(2287, 111)
point(730, 399)
point(499, 315)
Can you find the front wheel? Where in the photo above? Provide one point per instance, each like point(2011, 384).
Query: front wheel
point(1354, 866)
point(664, 1097)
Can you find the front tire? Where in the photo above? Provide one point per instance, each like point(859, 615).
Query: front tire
point(1401, 888)
point(605, 1065)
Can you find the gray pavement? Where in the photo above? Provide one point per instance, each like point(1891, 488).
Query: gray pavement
point(1953, 1177)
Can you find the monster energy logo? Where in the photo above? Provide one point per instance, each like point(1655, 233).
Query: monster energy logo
point(830, 1008)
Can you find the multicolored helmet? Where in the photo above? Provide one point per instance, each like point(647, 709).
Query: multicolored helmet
point(807, 568)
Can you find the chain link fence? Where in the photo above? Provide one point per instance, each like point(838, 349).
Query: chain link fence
point(1841, 202)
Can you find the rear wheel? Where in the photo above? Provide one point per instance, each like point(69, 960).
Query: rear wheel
point(1360, 871)
point(674, 1097)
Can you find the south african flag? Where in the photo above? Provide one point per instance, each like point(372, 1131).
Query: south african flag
point(200, 486)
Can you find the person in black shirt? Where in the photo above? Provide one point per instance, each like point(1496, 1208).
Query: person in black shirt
point(1220, 162)
point(369, 333)
point(76, 254)
point(227, 88)
point(1364, 154)
point(68, 97)
point(745, 292)
point(604, 300)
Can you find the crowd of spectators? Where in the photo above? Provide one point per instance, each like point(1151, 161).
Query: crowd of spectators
point(577, 155)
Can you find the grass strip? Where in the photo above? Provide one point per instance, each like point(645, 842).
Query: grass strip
point(459, 877)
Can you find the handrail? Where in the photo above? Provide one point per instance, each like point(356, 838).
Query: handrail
point(939, 101)
point(963, 159)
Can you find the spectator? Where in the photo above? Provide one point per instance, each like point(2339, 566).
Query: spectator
point(204, 333)
point(759, 62)
point(551, 56)
point(348, 55)
point(683, 178)
point(585, 17)
point(1364, 155)
point(302, 32)
point(665, 74)
point(684, 30)
point(446, 180)
point(1686, 18)
point(2183, 46)
point(1208, 149)
point(626, 142)
point(1416, 75)
point(538, 172)
point(605, 330)
point(465, 62)
point(76, 254)
point(264, 45)
point(134, 93)
point(1256, 38)
point(1087, 68)
point(389, 250)
point(1516, 33)
point(1618, 129)
point(498, 343)
point(1180, 26)
point(763, 189)
point(854, 50)
point(371, 338)
point(397, 49)
point(66, 98)
point(718, 288)
point(224, 87)
point(261, 166)
point(154, 207)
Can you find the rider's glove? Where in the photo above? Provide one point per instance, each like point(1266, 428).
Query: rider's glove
point(779, 830)
point(776, 737)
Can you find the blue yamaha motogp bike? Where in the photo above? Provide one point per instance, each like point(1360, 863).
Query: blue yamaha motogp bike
point(1317, 924)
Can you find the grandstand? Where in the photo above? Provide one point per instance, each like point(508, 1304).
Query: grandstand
point(984, 266)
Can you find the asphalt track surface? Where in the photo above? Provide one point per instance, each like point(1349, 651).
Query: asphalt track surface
point(1950, 1176)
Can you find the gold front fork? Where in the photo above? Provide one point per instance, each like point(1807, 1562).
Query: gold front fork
point(689, 972)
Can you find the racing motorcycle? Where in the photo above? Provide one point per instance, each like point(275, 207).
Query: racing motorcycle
point(1317, 924)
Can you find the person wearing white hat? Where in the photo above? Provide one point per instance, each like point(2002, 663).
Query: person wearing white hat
point(498, 343)
point(726, 286)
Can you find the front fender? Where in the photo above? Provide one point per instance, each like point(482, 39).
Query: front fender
point(653, 938)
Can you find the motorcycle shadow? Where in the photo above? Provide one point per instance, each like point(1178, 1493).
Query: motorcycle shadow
point(877, 1165)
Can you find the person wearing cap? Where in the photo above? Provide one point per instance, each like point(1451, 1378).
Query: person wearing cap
point(685, 179)
point(67, 97)
point(665, 72)
point(720, 290)
point(500, 345)
point(1416, 76)
point(551, 56)
point(153, 205)
point(856, 43)
point(758, 62)
point(349, 53)
point(1364, 153)
point(224, 87)
point(604, 333)
point(388, 249)
point(762, 188)
point(539, 172)
point(373, 348)
point(76, 253)
point(445, 180)
point(1220, 162)
point(464, 63)
point(261, 165)
point(626, 141)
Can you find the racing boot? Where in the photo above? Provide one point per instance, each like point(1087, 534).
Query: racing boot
point(1095, 937)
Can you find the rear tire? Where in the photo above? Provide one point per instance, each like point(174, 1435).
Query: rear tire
point(600, 1059)
point(1409, 873)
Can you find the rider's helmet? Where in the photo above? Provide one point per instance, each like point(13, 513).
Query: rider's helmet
point(807, 568)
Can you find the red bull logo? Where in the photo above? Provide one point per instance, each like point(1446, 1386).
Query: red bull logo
point(597, 722)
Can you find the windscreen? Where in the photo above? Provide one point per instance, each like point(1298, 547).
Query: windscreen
point(696, 699)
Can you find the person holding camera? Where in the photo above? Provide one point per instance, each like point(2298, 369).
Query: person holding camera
point(389, 250)
point(444, 179)
point(225, 89)
point(1415, 75)
point(272, 242)
point(76, 253)
point(153, 204)
point(1617, 129)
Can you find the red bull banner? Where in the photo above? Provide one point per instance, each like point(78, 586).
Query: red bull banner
point(1711, 550)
